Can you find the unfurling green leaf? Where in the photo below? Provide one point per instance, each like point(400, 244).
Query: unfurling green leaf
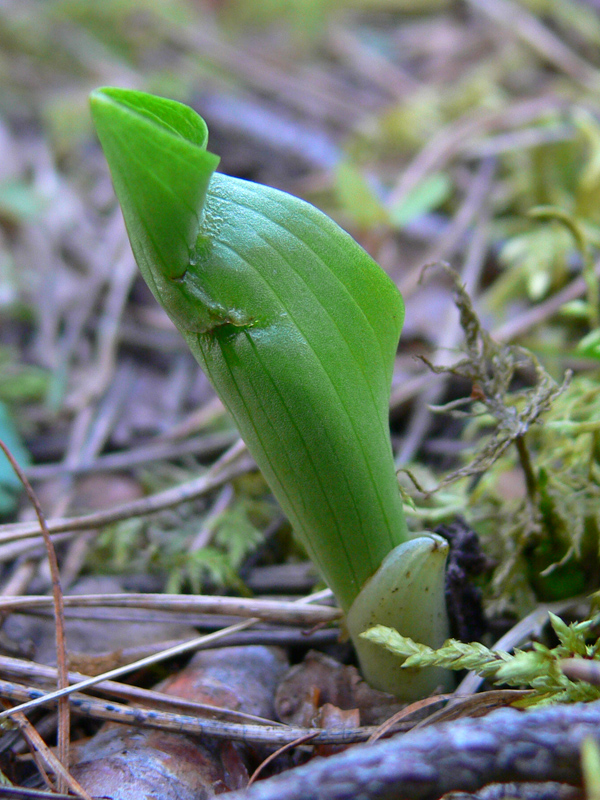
point(294, 324)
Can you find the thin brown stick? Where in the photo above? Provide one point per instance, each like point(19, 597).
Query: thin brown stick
point(43, 752)
point(186, 647)
point(32, 546)
point(289, 746)
point(59, 620)
point(20, 720)
point(404, 713)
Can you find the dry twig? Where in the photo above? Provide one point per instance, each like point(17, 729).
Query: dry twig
point(288, 612)
point(275, 734)
point(180, 649)
point(59, 619)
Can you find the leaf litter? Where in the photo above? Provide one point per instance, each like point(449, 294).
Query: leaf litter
point(403, 101)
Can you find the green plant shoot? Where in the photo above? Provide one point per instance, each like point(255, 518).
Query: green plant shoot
point(297, 329)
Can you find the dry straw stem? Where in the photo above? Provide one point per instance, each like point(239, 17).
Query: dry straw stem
point(155, 658)
point(42, 674)
point(287, 612)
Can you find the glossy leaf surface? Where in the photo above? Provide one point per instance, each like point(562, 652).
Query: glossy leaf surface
point(295, 325)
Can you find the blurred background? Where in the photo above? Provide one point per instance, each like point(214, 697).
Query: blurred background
point(427, 128)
